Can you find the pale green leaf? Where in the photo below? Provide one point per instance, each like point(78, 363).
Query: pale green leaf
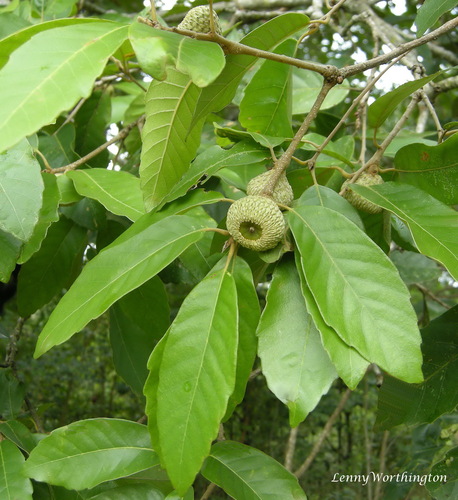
point(114, 272)
point(50, 72)
point(156, 49)
point(197, 376)
point(358, 290)
point(434, 226)
point(119, 192)
point(21, 191)
point(14, 484)
point(348, 362)
point(296, 366)
point(246, 473)
point(430, 11)
point(100, 449)
point(52, 268)
point(169, 142)
point(266, 104)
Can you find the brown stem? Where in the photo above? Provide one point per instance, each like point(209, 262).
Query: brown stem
point(324, 434)
point(290, 448)
point(382, 464)
point(207, 493)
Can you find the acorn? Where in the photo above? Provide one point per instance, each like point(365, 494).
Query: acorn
point(365, 179)
point(198, 20)
point(256, 222)
point(283, 192)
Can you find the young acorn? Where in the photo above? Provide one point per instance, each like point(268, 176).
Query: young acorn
point(365, 179)
point(198, 20)
point(256, 222)
point(283, 192)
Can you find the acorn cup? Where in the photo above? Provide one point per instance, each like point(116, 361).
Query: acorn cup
point(198, 20)
point(283, 192)
point(365, 179)
point(256, 222)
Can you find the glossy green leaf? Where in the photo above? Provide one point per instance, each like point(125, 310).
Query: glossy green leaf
point(249, 313)
point(118, 269)
point(122, 446)
point(169, 144)
point(266, 104)
point(10, 248)
point(382, 107)
point(156, 49)
point(429, 13)
point(264, 37)
point(433, 169)
point(401, 403)
point(215, 158)
point(245, 472)
point(52, 268)
point(237, 135)
point(21, 191)
point(348, 362)
point(19, 434)
point(130, 492)
point(197, 376)
point(31, 82)
point(306, 87)
point(9, 44)
point(119, 192)
point(358, 290)
point(296, 366)
point(67, 192)
point(47, 215)
point(137, 321)
point(434, 226)
point(13, 482)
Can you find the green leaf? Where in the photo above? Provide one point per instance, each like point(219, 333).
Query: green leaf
point(156, 49)
point(12, 394)
point(114, 272)
point(19, 434)
point(48, 214)
point(382, 107)
point(137, 321)
point(265, 37)
point(52, 268)
point(169, 144)
point(266, 104)
point(348, 362)
point(434, 226)
point(443, 483)
point(31, 82)
point(358, 290)
point(59, 147)
point(130, 492)
point(433, 169)
point(306, 87)
point(197, 376)
point(249, 314)
point(245, 472)
point(401, 403)
point(215, 158)
point(296, 366)
point(10, 248)
point(123, 447)
point(9, 44)
point(429, 12)
point(13, 483)
point(21, 191)
point(415, 267)
point(119, 192)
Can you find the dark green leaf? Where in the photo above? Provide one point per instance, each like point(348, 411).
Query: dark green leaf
point(118, 269)
point(434, 226)
point(433, 169)
point(52, 268)
point(296, 366)
point(443, 483)
point(197, 376)
point(10, 248)
point(13, 483)
point(137, 321)
point(358, 290)
point(11, 395)
point(59, 147)
point(19, 434)
point(130, 492)
point(414, 267)
point(401, 403)
point(123, 447)
point(429, 12)
point(245, 472)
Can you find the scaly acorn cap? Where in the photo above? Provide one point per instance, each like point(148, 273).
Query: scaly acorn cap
point(283, 192)
point(365, 179)
point(256, 222)
point(198, 20)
